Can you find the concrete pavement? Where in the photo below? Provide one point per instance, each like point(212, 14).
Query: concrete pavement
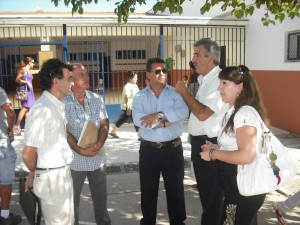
point(123, 183)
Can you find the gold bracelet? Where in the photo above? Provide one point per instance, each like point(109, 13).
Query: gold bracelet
point(210, 155)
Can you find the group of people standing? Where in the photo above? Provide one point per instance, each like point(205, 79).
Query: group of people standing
point(223, 134)
point(58, 166)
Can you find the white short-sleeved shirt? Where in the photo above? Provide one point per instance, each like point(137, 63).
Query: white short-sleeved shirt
point(45, 130)
point(244, 117)
point(209, 95)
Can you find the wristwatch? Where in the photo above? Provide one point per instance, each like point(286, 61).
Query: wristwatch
point(160, 115)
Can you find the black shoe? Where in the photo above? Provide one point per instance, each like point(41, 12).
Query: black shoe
point(113, 135)
point(12, 219)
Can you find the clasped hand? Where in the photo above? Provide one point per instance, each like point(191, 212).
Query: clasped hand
point(204, 154)
point(90, 150)
point(149, 120)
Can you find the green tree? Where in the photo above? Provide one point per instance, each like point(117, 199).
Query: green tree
point(274, 10)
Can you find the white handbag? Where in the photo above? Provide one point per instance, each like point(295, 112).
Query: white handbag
point(271, 168)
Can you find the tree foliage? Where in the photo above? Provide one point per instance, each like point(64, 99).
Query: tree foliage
point(274, 10)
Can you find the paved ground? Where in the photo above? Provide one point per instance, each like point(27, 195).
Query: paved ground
point(123, 184)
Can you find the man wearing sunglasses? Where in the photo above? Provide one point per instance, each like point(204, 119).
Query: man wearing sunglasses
point(158, 111)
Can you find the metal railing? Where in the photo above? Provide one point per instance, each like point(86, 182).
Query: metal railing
point(108, 52)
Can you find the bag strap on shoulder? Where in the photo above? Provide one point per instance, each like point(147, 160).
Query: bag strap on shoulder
point(266, 131)
point(264, 126)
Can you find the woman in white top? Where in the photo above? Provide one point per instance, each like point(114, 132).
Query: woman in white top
point(129, 91)
point(240, 134)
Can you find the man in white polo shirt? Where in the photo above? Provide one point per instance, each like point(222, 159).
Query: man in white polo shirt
point(207, 111)
point(46, 153)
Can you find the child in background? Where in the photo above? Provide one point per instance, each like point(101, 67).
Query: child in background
point(100, 88)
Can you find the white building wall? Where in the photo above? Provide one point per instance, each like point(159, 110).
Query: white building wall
point(266, 46)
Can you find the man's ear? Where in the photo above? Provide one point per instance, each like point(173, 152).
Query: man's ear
point(148, 75)
point(55, 80)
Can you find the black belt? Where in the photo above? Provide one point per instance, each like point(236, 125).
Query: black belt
point(199, 137)
point(50, 168)
point(173, 143)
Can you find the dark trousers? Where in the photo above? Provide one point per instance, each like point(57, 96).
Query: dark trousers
point(123, 118)
point(169, 162)
point(241, 210)
point(207, 182)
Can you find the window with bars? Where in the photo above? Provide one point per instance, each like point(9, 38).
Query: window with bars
point(131, 54)
point(293, 48)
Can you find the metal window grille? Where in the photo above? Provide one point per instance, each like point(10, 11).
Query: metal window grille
point(293, 53)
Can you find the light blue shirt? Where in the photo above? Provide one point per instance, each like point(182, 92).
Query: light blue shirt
point(93, 110)
point(170, 103)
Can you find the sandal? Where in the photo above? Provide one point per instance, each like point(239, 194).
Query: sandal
point(17, 131)
point(281, 216)
point(113, 135)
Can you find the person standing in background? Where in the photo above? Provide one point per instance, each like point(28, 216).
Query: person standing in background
point(7, 159)
point(100, 88)
point(207, 112)
point(82, 105)
point(193, 80)
point(129, 91)
point(24, 79)
point(47, 154)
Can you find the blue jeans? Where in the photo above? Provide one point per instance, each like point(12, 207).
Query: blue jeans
point(8, 163)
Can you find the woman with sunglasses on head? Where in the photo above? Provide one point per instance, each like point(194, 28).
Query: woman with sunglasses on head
point(24, 79)
point(129, 91)
point(238, 138)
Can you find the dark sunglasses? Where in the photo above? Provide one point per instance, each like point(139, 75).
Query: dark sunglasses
point(159, 71)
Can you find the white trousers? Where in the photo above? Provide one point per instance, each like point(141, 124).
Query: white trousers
point(55, 189)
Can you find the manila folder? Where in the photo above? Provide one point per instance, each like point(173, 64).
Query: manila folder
point(89, 135)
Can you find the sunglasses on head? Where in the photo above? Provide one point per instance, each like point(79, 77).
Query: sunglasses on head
point(159, 71)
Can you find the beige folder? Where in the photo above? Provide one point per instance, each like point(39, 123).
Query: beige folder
point(89, 135)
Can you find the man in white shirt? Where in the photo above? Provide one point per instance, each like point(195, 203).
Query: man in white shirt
point(207, 111)
point(47, 154)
